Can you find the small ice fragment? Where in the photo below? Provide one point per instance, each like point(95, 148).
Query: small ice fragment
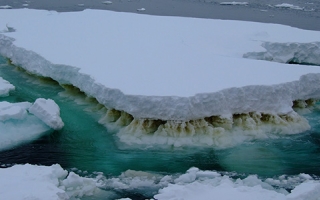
point(107, 2)
point(141, 9)
point(234, 3)
point(5, 7)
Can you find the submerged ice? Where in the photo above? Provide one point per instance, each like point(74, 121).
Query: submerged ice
point(24, 122)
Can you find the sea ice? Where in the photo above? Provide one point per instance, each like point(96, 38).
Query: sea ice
point(5, 87)
point(18, 126)
point(44, 182)
point(234, 3)
point(287, 5)
point(48, 111)
point(192, 186)
point(166, 79)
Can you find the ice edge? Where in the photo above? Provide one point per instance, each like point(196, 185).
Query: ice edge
point(275, 99)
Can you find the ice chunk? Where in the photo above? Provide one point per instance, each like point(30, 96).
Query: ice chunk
point(17, 126)
point(234, 3)
point(5, 7)
point(44, 182)
point(5, 87)
point(48, 111)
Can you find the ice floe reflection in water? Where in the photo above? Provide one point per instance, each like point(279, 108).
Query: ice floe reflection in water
point(86, 145)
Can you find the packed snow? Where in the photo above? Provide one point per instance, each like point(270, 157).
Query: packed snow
point(127, 69)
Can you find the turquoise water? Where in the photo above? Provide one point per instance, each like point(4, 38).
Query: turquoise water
point(88, 146)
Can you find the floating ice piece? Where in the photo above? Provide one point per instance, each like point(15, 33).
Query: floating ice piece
point(107, 2)
point(290, 6)
point(44, 182)
point(5, 7)
point(234, 3)
point(141, 9)
point(25, 5)
point(5, 87)
point(48, 111)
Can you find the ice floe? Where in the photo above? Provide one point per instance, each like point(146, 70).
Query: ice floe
point(24, 122)
point(44, 182)
point(168, 80)
point(290, 6)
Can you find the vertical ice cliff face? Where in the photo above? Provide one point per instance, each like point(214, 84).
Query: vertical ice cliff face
point(291, 53)
point(215, 131)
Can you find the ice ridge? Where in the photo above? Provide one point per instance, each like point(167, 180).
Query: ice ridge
point(265, 99)
point(292, 53)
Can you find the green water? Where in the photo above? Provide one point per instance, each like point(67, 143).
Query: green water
point(87, 145)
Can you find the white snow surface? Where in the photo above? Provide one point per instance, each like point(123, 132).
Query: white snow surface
point(48, 111)
point(5, 87)
point(43, 182)
point(197, 184)
point(169, 68)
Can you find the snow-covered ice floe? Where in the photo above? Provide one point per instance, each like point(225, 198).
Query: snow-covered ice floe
point(166, 84)
point(54, 183)
point(44, 182)
point(24, 121)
